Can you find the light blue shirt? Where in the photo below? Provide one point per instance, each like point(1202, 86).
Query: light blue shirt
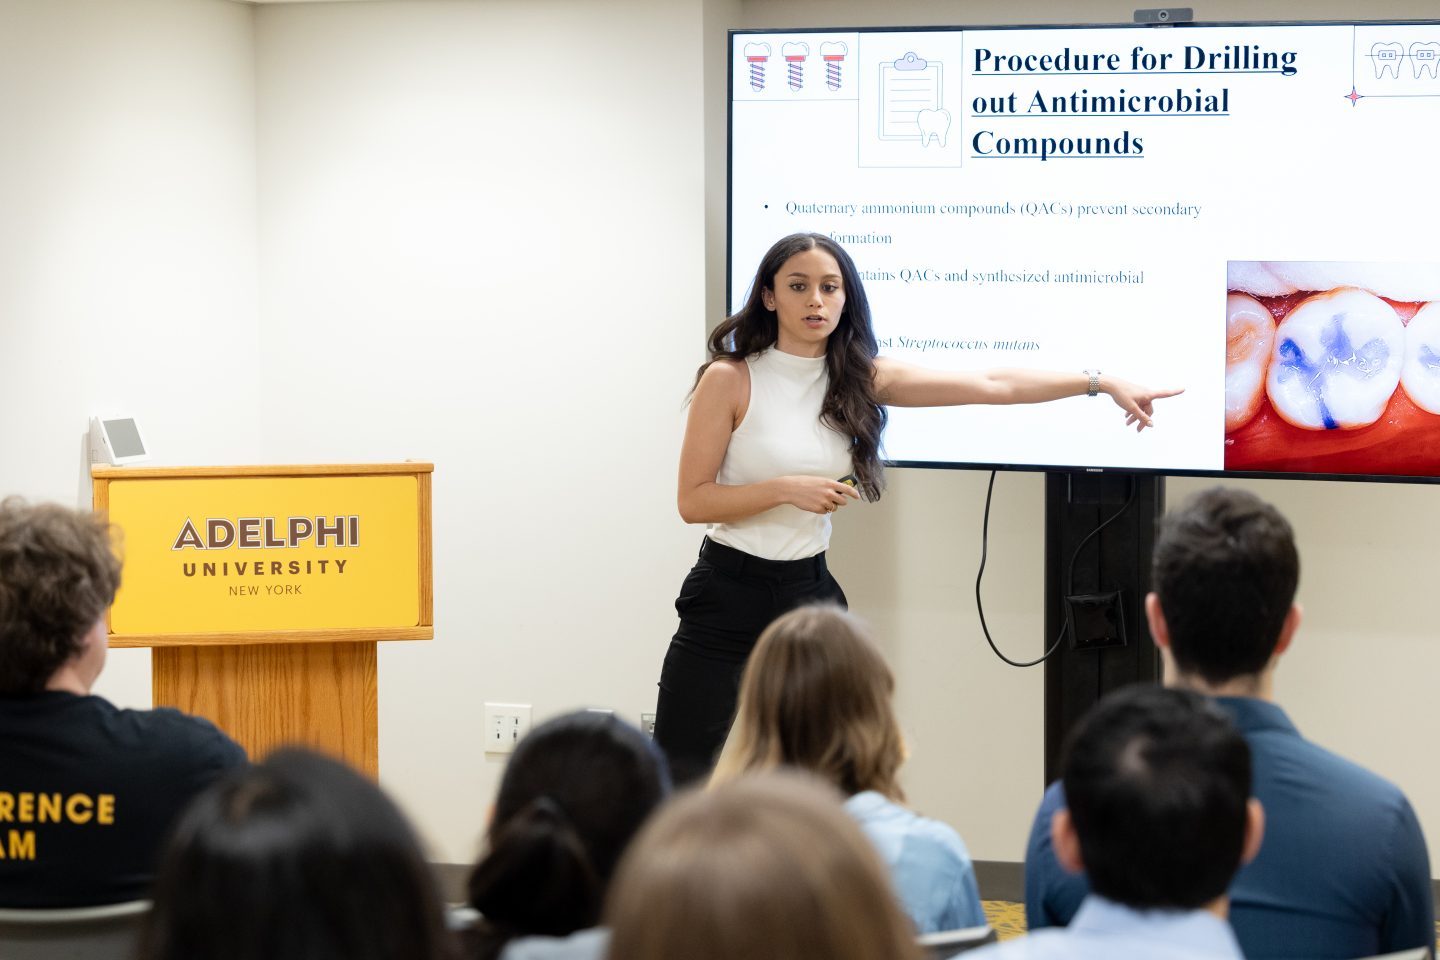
point(1105, 930)
point(929, 865)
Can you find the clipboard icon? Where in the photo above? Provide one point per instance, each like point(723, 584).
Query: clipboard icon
point(908, 85)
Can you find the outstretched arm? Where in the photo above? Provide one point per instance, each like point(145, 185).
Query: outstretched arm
point(716, 408)
point(907, 385)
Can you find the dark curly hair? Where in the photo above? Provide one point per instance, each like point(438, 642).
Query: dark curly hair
point(58, 574)
point(851, 405)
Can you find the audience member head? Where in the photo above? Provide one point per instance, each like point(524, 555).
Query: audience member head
point(298, 858)
point(1158, 808)
point(574, 793)
point(816, 694)
point(768, 867)
point(1225, 571)
point(58, 575)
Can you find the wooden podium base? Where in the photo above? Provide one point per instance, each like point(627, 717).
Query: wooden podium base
point(320, 695)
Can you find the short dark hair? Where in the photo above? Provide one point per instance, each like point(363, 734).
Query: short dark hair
point(1225, 569)
point(298, 858)
point(58, 574)
point(575, 792)
point(1157, 782)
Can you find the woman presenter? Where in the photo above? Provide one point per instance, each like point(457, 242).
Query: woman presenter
point(784, 429)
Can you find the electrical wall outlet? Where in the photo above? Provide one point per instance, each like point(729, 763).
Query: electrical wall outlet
point(505, 725)
point(647, 724)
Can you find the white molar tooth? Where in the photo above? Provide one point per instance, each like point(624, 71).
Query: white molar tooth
point(1387, 58)
point(1421, 375)
point(933, 123)
point(1425, 58)
point(1337, 361)
point(1249, 341)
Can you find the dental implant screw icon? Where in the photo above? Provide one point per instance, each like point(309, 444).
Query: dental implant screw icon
point(795, 54)
point(758, 54)
point(834, 55)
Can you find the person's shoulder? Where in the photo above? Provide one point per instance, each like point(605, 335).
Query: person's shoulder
point(724, 372)
point(1294, 769)
point(940, 832)
point(725, 382)
point(1344, 775)
point(589, 944)
point(184, 734)
point(928, 837)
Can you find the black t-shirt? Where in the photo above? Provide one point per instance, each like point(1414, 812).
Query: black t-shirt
point(88, 793)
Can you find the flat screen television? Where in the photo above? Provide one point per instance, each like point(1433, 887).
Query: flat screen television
point(1248, 211)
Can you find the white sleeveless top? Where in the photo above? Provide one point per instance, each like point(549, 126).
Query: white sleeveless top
point(782, 435)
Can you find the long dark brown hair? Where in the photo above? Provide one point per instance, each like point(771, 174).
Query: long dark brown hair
point(851, 405)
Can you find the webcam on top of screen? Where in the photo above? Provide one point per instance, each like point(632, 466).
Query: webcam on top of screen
point(1165, 15)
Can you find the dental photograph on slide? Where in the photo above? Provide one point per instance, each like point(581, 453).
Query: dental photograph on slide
point(1333, 367)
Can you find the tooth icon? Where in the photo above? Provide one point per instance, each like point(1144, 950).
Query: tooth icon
point(795, 54)
point(1337, 361)
point(1425, 58)
point(1421, 376)
point(757, 54)
point(834, 55)
point(1387, 58)
point(933, 123)
point(1249, 341)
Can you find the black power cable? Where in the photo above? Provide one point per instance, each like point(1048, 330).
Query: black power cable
point(1069, 573)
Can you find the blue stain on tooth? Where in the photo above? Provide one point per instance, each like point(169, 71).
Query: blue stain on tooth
point(1429, 358)
point(1361, 364)
point(1340, 357)
point(1293, 363)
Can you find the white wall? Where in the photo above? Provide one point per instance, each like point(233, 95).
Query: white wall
point(127, 242)
point(482, 235)
point(482, 232)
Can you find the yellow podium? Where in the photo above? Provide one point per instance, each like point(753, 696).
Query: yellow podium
point(263, 591)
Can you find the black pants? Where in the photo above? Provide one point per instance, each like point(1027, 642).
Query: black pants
point(727, 599)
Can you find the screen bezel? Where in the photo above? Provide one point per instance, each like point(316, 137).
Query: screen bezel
point(731, 39)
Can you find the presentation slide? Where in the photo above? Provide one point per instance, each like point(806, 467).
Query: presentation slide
point(1247, 212)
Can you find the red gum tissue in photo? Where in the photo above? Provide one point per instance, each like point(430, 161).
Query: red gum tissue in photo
point(1404, 441)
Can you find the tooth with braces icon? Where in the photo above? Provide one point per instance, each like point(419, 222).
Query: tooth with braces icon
point(795, 54)
point(1425, 58)
point(1387, 58)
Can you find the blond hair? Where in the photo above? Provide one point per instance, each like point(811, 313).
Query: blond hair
point(769, 867)
point(816, 694)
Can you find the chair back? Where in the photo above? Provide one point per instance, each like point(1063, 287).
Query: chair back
point(109, 932)
point(948, 943)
